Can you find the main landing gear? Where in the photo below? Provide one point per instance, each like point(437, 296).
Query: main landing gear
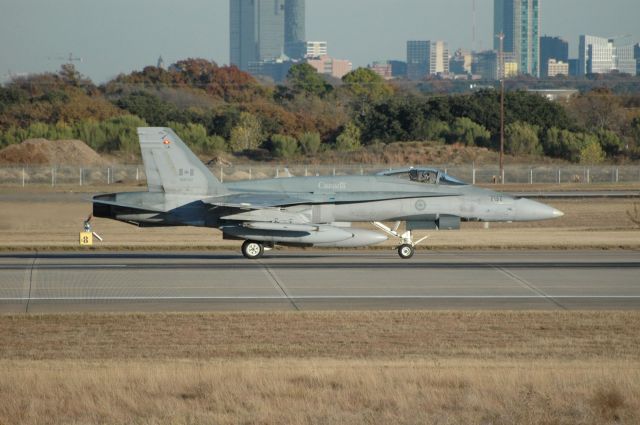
point(407, 247)
point(252, 250)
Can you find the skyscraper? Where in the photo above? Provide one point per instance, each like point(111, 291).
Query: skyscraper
point(427, 58)
point(294, 29)
point(417, 57)
point(519, 20)
point(596, 55)
point(626, 61)
point(256, 31)
point(552, 48)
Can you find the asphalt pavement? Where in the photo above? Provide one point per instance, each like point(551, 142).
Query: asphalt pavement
point(319, 280)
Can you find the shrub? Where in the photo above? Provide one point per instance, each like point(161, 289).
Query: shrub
point(283, 146)
point(310, 143)
point(349, 139)
point(468, 132)
point(522, 139)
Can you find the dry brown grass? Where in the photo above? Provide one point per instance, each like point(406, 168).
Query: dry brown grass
point(289, 391)
point(379, 335)
point(329, 368)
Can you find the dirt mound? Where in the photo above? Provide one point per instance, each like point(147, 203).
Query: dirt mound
point(50, 152)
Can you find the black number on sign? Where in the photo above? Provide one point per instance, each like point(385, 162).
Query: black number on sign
point(85, 239)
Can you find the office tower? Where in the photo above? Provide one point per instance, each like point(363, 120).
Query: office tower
point(486, 64)
point(427, 58)
point(256, 31)
point(596, 55)
point(417, 57)
point(519, 20)
point(294, 28)
point(438, 58)
point(552, 48)
point(626, 62)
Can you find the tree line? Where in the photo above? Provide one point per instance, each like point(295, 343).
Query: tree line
point(222, 109)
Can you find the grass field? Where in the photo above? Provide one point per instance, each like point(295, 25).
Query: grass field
point(330, 368)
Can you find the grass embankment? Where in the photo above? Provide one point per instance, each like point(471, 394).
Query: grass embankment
point(359, 367)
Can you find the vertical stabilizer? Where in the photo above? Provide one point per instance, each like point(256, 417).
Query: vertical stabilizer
point(171, 167)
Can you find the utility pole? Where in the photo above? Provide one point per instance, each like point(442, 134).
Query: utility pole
point(501, 75)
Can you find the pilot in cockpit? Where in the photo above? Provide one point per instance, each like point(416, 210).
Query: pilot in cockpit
point(423, 176)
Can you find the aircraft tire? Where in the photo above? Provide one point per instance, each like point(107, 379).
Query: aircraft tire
point(252, 250)
point(406, 251)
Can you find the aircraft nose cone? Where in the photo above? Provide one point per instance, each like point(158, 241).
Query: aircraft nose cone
point(527, 210)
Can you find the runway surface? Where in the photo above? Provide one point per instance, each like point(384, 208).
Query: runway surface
point(318, 280)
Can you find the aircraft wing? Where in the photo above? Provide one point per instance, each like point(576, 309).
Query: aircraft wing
point(252, 201)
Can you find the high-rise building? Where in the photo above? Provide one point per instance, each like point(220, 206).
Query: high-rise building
point(519, 21)
point(626, 62)
point(438, 58)
point(552, 48)
point(596, 55)
point(427, 58)
point(294, 28)
point(256, 31)
point(486, 64)
point(417, 57)
point(600, 55)
point(265, 30)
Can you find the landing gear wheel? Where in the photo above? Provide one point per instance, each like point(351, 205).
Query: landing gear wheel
point(252, 250)
point(406, 251)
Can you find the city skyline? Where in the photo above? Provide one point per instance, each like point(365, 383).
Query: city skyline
point(127, 35)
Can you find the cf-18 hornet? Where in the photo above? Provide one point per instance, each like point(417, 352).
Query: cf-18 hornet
point(304, 211)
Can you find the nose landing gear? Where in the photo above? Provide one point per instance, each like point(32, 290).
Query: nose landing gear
point(407, 247)
point(406, 251)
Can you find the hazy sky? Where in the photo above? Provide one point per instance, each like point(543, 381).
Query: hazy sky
point(114, 36)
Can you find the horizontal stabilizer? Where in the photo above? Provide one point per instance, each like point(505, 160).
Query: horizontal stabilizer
point(141, 207)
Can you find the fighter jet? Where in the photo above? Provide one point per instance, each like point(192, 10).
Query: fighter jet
point(304, 211)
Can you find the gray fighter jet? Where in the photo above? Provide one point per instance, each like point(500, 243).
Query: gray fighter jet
point(304, 211)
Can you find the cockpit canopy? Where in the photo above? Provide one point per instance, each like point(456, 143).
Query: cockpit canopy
point(423, 175)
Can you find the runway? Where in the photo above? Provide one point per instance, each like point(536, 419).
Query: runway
point(318, 280)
